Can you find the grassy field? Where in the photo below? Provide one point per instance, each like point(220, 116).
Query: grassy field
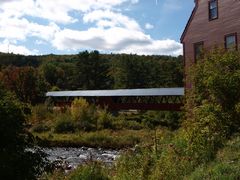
point(104, 138)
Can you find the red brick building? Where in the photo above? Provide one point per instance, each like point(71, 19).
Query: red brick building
point(212, 23)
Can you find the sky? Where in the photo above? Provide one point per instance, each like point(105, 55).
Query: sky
point(144, 27)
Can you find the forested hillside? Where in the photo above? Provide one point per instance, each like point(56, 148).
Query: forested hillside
point(29, 77)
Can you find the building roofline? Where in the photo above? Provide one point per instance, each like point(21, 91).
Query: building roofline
point(189, 21)
point(119, 92)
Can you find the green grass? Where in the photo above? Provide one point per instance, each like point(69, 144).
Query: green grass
point(225, 166)
point(90, 171)
point(104, 139)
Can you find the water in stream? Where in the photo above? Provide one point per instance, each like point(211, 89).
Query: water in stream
point(70, 158)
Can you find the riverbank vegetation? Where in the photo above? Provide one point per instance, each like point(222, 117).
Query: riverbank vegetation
point(106, 139)
point(84, 124)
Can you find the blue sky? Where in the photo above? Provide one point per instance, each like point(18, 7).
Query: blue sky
point(110, 26)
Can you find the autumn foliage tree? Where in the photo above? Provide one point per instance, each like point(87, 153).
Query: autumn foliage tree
point(25, 82)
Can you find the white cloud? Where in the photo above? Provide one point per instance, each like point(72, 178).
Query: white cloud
point(111, 19)
point(21, 28)
point(118, 40)
point(6, 1)
point(7, 47)
point(97, 38)
point(149, 26)
point(112, 30)
point(57, 11)
point(160, 47)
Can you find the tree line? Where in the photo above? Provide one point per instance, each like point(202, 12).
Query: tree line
point(30, 77)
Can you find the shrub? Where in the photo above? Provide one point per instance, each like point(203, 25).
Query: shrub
point(225, 166)
point(79, 107)
point(216, 81)
point(64, 124)
point(118, 124)
point(211, 113)
point(40, 113)
point(84, 115)
point(153, 119)
point(104, 119)
point(173, 161)
point(133, 125)
point(39, 128)
point(93, 171)
point(135, 164)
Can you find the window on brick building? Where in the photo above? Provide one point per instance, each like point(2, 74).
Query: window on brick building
point(213, 9)
point(231, 41)
point(198, 50)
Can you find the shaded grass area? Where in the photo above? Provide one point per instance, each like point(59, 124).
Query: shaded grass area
point(103, 139)
point(89, 171)
point(225, 166)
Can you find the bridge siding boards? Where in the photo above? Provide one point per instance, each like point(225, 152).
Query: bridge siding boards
point(170, 98)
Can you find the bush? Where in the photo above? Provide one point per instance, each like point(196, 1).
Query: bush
point(133, 125)
point(91, 171)
point(211, 113)
point(39, 128)
point(40, 113)
point(64, 124)
point(84, 115)
point(104, 119)
point(135, 164)
point(216, 81)
point(225, 166)
point(171, 120)
point(173, 161)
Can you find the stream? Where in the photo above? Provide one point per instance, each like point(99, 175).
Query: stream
point(70, 158)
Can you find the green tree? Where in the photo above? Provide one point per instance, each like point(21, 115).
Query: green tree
point(92, 71)
point(52, 73)
point(17, 160)
point(133, 71)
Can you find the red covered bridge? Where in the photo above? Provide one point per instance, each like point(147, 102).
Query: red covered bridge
point(162, 99)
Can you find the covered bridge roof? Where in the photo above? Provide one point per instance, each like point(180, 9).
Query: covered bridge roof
point(119, 92)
